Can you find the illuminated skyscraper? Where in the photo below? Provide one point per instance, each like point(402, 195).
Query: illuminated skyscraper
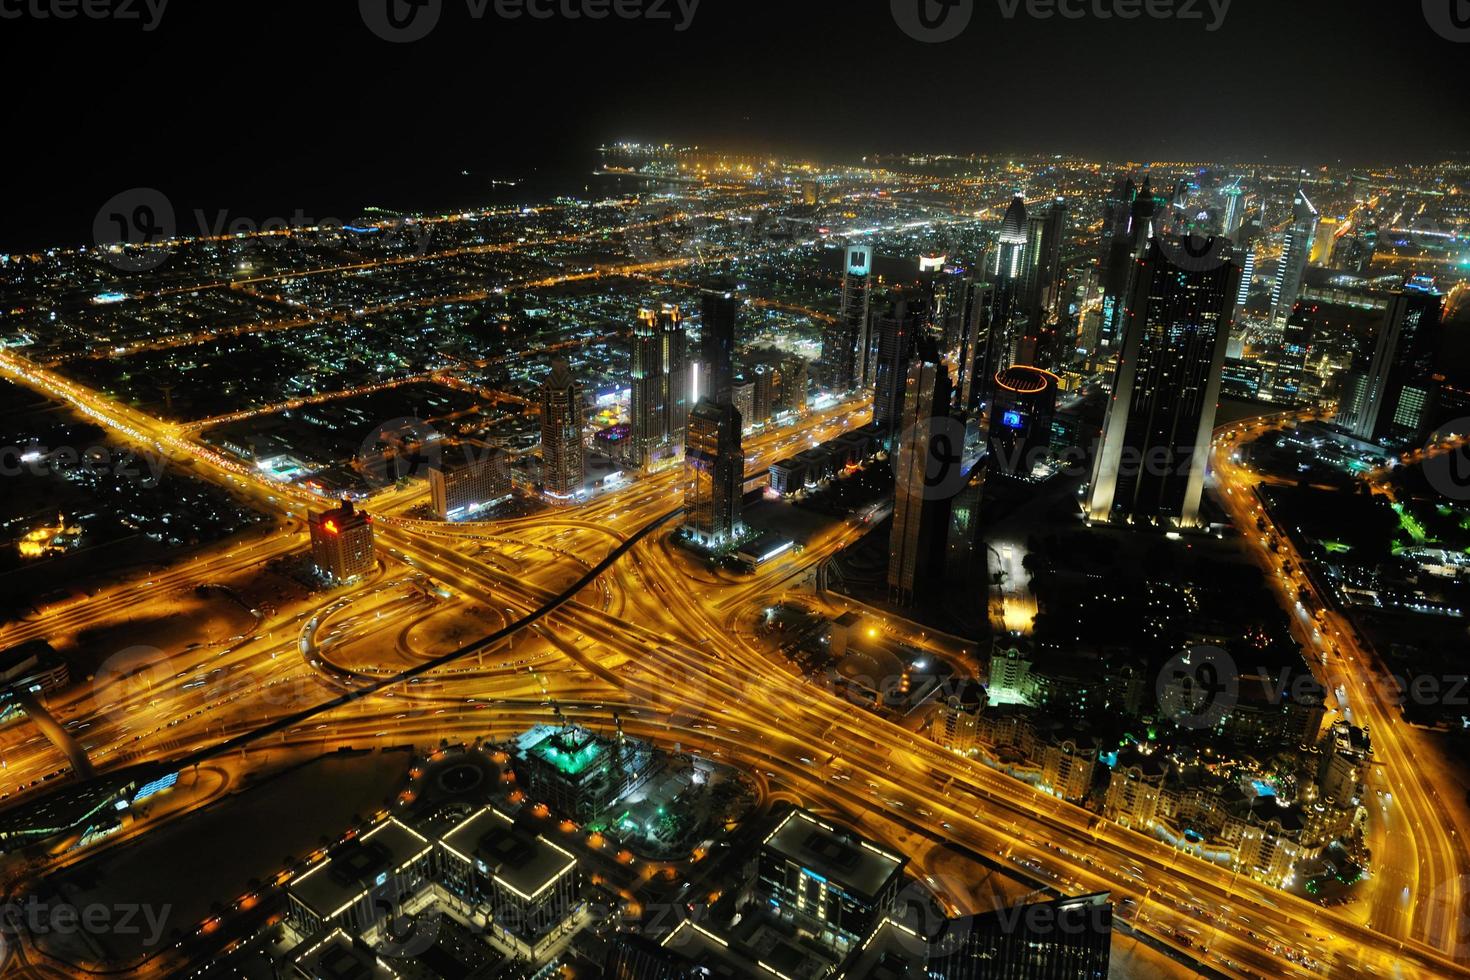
point(1020, 419)
point(467, 478)
point(894, 334)
point(716, 345)
point(1132, 228)
point(1234, 215)
point(1391, 397)
point(979, 347)
point(922, 457)
point(1295, 251)
point(1247, 277)
point(660, 380)
point(1150, 465)
point(342, 542)
point(562, 470)
point(1007, 280)
point(1290, 383)
point(845, 341)
point(714, 474)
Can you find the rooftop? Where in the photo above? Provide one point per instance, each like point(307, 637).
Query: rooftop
point(354, 868)
point(525, 863)
point(855, 864)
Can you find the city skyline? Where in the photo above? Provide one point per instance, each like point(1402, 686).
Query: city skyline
point(658, 489)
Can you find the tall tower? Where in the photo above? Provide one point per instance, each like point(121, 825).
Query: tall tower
point(845, 341)
point(894, 333)
point(718, 308)
point(1395, 389)
point(1007, 279)
point(1295, 251)
point(978, 348)
point(561, 432)
point(1151, 462)
point(917, 545)
point(1234, 215)
point(660, 380)
point(714, 473)
point(1133, 228)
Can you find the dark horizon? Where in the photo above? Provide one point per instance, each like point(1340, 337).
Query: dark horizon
point(312, 110)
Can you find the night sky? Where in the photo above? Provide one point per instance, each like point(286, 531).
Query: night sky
point(262, 107)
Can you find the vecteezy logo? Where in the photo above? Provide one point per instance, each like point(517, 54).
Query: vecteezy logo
point(129, 678)
point(928, 459)
point(1449, 18)
point(933, 21)
point(1447, 466)
point(399, 449)
point(1198, 688)
point(401, 21)
point(1195, 253)
point(131, 226)
point(406, 937)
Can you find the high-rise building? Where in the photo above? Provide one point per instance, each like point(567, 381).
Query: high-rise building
point(718, 309)
point(1063, 939)
point(845, 340)
point(1020, 419)
point(1290, 382)
point(342, 542)
point(923, 451)
point(562, 471)
point(1390, 399)
point(833, 885)
point(1130, 233)
point(950, 292)
point(1234, 215)
point(1150, 465)
point(894, 334)
point(766, 380)
point(742, 396)
point(1296, 249)
point(979, 348)
point(467, 478)
point(964, 561)
point(714, 474)
point(1044, 234)
point(660, 385)
point(1247, 277)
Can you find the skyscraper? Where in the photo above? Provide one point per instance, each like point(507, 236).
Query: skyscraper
point(1290, 384)
point(1150, 465)
point(660, 380)
point(1296, 249)
point(894, 334)
point(978, 347)
point(1394, 392)
point(1020, 419)
point(718, 309)
point(1044, 233)
point(342, 542)
point(924, 451)
point(561, 432)
point(1132, 228)
point(1234, 215)
point(467, 478)
point(714, 474)
point(845, 340)
point(1007, 279)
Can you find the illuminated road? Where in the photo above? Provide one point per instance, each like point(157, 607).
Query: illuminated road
point(667, 650)
point(1417, 813)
